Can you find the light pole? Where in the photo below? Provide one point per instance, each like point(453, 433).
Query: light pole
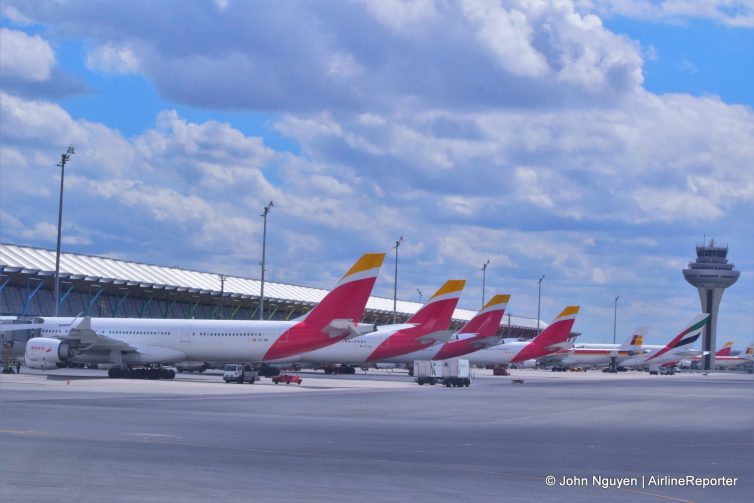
point(484, 278)
point(420, 295)
point(264, 249)
point(63, 161)
point(222, 296)
point(615, 316)
point(539, 299)
point(395, 282)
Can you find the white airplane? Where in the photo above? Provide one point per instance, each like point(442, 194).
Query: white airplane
point(727, 361)
point(479, 332)
point(123, 342)
point(679, 348)
point(600, 355)
point(425, 328)
point(723, 359)
point(552, 339)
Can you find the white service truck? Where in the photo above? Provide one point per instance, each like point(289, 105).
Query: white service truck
point(240, 373)
point(455, 372)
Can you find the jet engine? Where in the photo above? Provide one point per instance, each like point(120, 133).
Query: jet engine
point(45, 353)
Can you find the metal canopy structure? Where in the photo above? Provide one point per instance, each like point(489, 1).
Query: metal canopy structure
point(103, 286)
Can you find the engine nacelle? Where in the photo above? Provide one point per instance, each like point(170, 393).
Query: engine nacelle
point(45, 353)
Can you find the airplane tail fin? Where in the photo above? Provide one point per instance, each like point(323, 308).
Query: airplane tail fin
point(725, 350)
point(688, 335)
point(349, 297)
point(487, 321)
point(636, 340)
point(559, 330)
point(437, 313)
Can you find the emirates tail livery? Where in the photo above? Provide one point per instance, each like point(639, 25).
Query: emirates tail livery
point(124, 341)
point(425, 328)
point(478, 333)
point(552, 339)
point(677, 349)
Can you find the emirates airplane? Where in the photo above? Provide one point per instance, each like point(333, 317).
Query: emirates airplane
point(123, 342)
point(425, 328)
point(552, 339)
point(678, 348)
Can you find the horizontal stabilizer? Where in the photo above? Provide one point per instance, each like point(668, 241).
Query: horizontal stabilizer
point(340, 328)
point(437, 336)
point(560, 345)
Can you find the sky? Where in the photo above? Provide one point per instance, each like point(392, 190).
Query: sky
point(595, 142)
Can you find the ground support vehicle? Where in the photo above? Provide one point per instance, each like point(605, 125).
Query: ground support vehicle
point(239, 373)
point(287, 379)
point(455, 372)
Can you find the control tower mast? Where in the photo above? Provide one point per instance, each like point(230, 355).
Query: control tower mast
point(711, 274)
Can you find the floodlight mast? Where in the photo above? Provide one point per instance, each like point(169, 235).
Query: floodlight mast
point(395, 282)
point(264, 248)
point(539, 299)
point(64, 158)
point(484, 278)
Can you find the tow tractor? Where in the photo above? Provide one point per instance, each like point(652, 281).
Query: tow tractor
point(287, 379)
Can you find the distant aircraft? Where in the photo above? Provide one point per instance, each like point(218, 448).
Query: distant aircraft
point(552, 339)
point(123, 342)
point(678, 348)
point(427, 327)
point(478, 333)
point(600, 355)
point(723, 358)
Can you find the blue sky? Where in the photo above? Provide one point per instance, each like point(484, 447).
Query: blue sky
point(595, 142)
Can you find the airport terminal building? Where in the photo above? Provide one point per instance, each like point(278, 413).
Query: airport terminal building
point(106, 287)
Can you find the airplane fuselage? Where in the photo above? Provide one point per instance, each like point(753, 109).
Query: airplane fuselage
point(185, 339)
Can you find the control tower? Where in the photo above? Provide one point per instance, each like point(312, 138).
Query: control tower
point(710, 274)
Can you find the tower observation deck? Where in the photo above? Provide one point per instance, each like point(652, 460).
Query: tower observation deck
point(711, 274)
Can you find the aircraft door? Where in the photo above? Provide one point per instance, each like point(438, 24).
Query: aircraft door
point(186, 333)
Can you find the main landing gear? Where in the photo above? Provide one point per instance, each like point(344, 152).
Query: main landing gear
point(148, 372)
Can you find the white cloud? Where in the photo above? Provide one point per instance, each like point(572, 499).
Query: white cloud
point(739, 13)
point(109, 58)
point(24, 56)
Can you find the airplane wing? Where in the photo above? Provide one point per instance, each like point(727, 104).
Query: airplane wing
point(84, 338)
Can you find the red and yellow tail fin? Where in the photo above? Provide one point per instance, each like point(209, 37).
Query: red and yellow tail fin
point(725, 350)
point(350, 295)
point(487, 321)
point(437, 313)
